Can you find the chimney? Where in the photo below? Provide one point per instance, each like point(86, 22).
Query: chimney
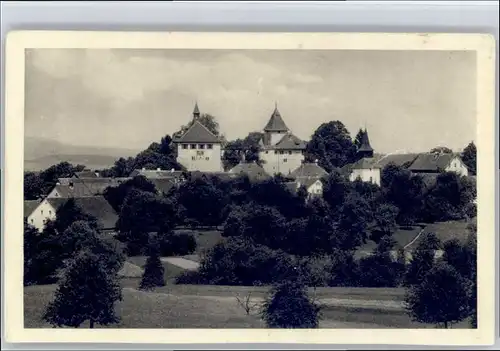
point(158, 169)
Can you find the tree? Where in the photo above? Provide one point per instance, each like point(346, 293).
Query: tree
point(153, 272)
point(405, 191)
point(116, 195)
point(87, 292)
point(31, 243)
point(209, 121)
point(50, 176)
point(143, 213)
point(70, 212)
point(249, 146)
point(359, 138)
point(379, 269)
point(422, 259)
point(385, 221)
point(442, 150)
point(203, 200)
point(354, 217)
point(345, 269)
point(441, 298)
point(331, 145)
point(335, 190)
point(289, 306)
point(469, 156)
point(33, 186)
point(449, 198)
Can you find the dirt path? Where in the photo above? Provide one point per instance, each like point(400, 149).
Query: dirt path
point(182, 263)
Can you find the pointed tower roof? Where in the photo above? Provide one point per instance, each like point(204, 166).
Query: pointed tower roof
point(365, 144)
point(276, 123)
point(196, 111)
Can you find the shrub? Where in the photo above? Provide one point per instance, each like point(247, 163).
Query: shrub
point(289, 306)
point(153, 272)
point(178, 244)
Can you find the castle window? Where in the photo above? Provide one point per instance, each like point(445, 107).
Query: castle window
point(275, 152)
point(199, 153)
point(207, 158)
point(289, 152)
point(201, 146)
point(193, 158)
point(193, 146)
point(184, 146)
point(209, 146)
point(267, 152)
point(284, 160)
point(371, 179)
point(282, 152)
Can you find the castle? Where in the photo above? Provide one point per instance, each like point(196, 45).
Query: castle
point(198, 149)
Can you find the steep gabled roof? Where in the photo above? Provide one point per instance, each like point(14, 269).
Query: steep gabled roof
point(309, 170)
point(288, 142)
point(251, 169)
point(429, 162)
point(198, 133)
point(96, 206)
point(276, 123)
point(162, 185)
point(306, 181)
point(365, 146)
point(403, 160)
point(85, 174)
point(30, 206)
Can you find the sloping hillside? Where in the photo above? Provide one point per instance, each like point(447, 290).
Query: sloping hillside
point(40, 153)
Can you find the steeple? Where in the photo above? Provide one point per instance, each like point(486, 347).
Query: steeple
point(196, 111)
point(365, 149)
point(276, 123)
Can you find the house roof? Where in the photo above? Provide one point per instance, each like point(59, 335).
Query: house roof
point(84, 187)
point(151, 173)
point(96, 206)
point(251, 169)
point(162, 185)
point(397, 159)
point(76, 190)
point(276, 123)
point(221, 175)
point(288, 142)
point(86, 174)
point(309, 169)
point(29, 206)
point(198, 133)
point(306, 181)
point(366, 163)
point(430, 162)
point(365, 143)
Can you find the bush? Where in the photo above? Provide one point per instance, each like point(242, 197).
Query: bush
point(289, 306)
point(241, 262)
point(177, 244)
point(153, 273)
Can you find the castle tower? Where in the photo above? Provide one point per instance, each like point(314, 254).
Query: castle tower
point(198, 149)
point(365, 150)
point(281, 151)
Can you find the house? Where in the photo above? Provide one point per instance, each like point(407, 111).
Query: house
point(252, 170)
point(29, 207)
point(198, 149)
point(314, 186)
point(366, 168)
point(96, 206)
point(281, 151)
point(402, 160)
point(437, 163)
point(309, 169)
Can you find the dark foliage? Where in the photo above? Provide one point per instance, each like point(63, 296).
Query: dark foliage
point(87, 292)
point(289, 306)
point(153, 272)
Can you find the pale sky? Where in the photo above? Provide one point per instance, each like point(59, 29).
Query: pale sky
point(409, 100)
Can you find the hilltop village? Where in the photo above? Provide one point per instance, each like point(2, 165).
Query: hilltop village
point(199, 151)
point(195, 216)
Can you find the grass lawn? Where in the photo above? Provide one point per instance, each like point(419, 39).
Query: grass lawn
point(216, 307)
point(171, 271)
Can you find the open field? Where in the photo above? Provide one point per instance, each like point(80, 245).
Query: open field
point(183, 306)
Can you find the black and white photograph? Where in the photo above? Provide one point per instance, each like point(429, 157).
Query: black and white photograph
point(239, 188)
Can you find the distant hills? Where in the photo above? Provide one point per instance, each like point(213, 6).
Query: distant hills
point(41, 153)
